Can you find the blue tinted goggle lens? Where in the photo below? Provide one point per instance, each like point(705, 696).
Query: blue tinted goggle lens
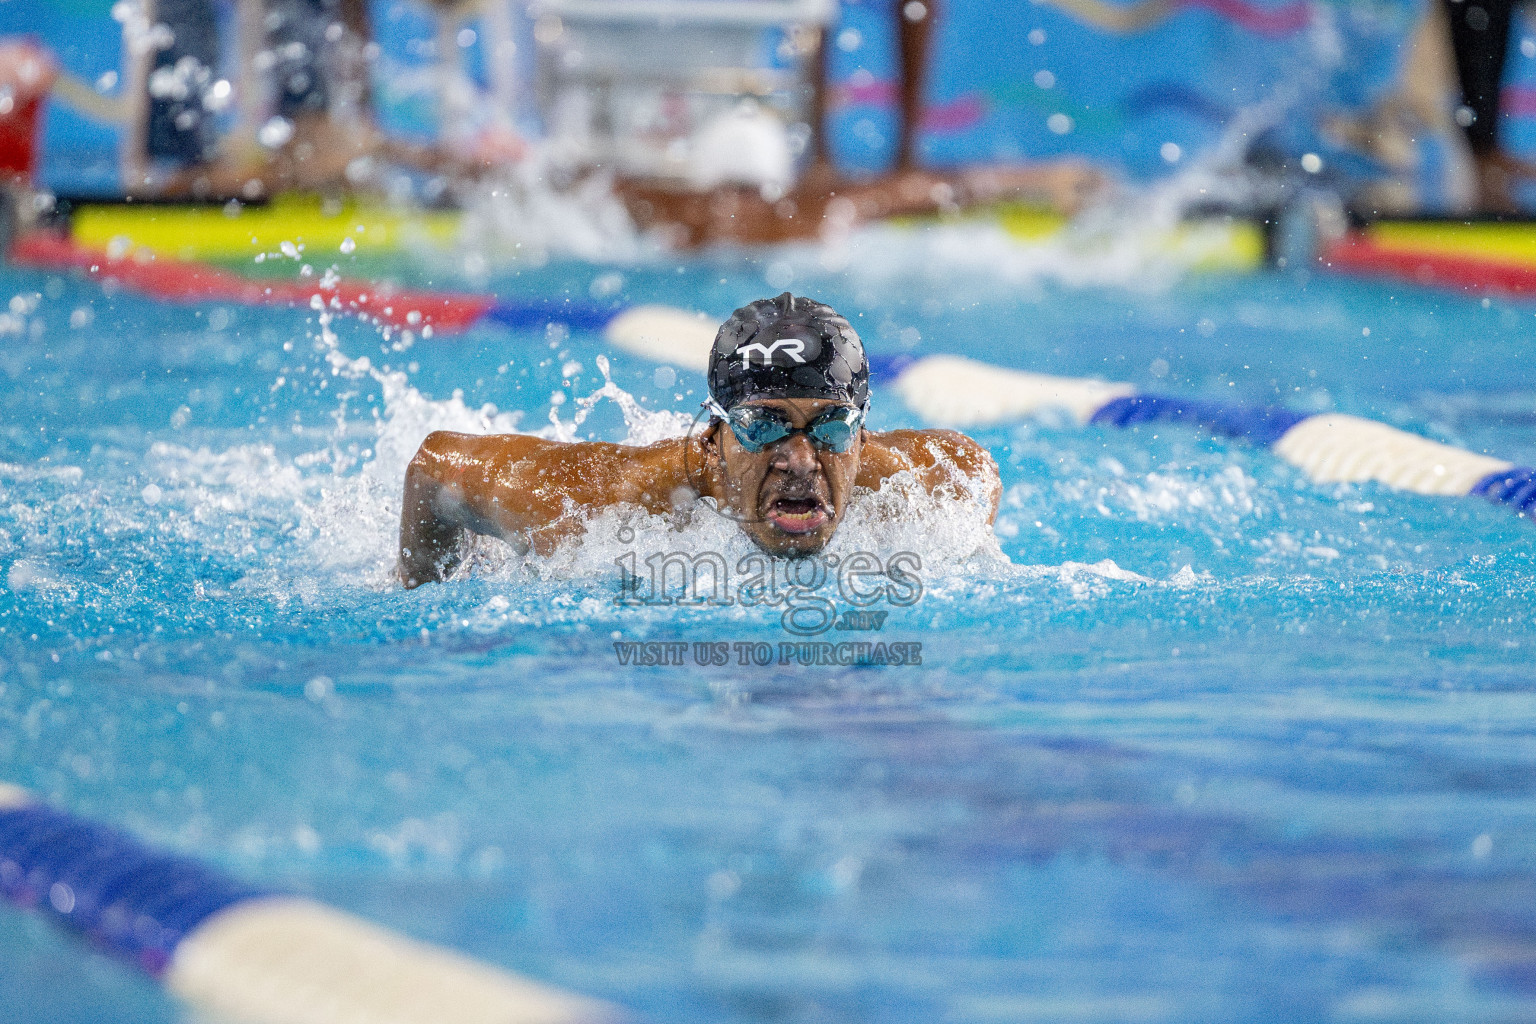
point(756, 429)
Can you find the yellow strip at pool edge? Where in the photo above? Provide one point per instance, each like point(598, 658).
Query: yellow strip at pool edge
point(1205, 244)
point(215, 232)
point(1510, 243)
point(224, 233)
point(1029, 223)
point(1219, 245)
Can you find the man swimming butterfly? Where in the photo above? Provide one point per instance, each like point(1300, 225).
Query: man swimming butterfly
point(784, 451)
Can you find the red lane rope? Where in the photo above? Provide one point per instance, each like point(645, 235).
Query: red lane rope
point(186, 281)
point(1358, 255)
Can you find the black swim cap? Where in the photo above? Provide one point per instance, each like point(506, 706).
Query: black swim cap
point(788, 347)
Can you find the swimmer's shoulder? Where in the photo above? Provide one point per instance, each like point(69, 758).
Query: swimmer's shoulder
point(940, 458)
point(448, 453)
point(922, 449)
point(451, 443)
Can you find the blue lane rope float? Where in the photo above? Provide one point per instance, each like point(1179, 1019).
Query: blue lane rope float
point(945, 390)
point(129, 901)
point(954, 391)
point(1259, 426)
point(238, 952)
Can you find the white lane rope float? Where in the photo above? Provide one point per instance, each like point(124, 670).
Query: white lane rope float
point(239, 953)
point(944, 390)
point(954, 391)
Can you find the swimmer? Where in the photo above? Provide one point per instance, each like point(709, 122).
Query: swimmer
point(785, 450)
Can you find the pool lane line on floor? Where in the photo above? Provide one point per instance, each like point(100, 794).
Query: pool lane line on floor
point(242, 953)
point(944, 390)
point(955, 391)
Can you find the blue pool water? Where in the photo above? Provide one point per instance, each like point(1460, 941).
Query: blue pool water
point(1192, 739)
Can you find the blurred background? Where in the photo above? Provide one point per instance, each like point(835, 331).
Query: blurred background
point(1394, 107)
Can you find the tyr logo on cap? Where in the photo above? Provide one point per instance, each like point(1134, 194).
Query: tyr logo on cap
point(791, 347)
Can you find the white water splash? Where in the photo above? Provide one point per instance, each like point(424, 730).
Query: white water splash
point(536, 209)
point(1225, 496)
point(643, 426)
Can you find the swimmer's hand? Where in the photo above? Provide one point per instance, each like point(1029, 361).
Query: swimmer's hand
point(431, 534)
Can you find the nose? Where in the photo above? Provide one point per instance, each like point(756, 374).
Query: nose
point(795, 455)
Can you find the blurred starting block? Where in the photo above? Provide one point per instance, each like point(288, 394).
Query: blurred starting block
point(671, 89)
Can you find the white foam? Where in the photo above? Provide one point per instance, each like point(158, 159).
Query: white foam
point(1187, 577)
point(1226, 496)
point(1083, 580)
point(63, 474)
point(950, 534)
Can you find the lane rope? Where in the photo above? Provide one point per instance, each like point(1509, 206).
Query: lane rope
point(174, 280)
point(944, 390)
point(1363, 256)
point(239, 952)
point(954, 391)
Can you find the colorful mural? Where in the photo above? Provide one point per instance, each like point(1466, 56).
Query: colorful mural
point(1330, 89)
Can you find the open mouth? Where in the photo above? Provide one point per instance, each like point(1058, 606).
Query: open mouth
point(797, 515)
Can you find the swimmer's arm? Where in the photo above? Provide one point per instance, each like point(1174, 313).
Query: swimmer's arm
point(940, 457)
point(449, 488)
point(521, 489)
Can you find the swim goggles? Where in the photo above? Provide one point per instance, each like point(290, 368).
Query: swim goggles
point(757, 427)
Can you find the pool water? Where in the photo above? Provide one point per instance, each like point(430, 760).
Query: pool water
point(1192, 739)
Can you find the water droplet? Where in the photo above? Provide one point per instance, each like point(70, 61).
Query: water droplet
point(275, 132)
